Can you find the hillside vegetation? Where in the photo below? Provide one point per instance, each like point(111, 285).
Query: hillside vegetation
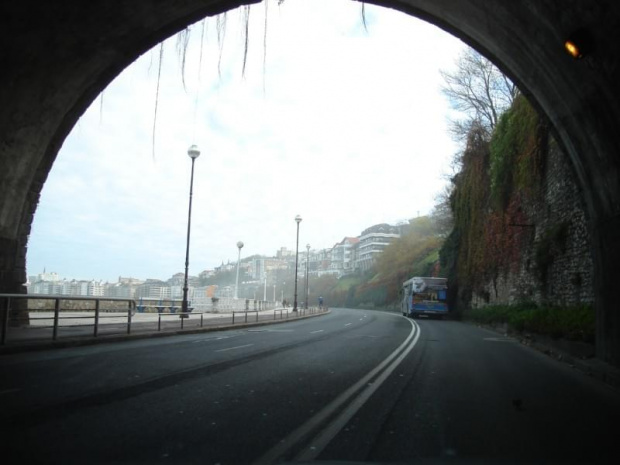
point(415, 253)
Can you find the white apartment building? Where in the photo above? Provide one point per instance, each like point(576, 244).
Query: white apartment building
point(372, 242)
point(284, 253)
point(95, 289)
point(342, 256)
point(65, 287)
point(263, 266)
point(153, 289)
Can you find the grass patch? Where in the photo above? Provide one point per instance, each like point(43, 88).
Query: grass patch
point(575, 323)
point(346, 282)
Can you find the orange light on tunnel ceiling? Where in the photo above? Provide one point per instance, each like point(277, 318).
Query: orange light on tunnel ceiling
point(572, 49)
point(579, 44)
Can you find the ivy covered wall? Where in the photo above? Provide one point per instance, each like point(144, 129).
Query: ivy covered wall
point(520, 230)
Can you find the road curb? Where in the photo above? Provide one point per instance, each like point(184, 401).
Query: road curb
point(31, 346)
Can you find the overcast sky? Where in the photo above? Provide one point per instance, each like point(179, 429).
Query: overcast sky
point(343, 126)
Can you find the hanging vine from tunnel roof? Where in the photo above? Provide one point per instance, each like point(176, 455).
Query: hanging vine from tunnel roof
point(101, 106)
point(182, 44)
point(221, 33)
point(202, 38)
point(265, 43)
point(161, 59)
point(246, 29)
point(364, 16)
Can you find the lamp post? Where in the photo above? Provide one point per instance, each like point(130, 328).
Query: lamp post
point(193, 153)
point(297, 220)
point(239, 246)
point(307, 261)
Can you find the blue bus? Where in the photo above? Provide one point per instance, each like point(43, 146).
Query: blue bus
point(425, 296)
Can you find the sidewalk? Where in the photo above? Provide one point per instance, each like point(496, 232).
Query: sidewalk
point(76, 329)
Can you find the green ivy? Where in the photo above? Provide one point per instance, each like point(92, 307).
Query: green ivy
point(515, 152)
point(575, 322)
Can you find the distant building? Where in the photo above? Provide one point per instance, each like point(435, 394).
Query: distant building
point(95, 288)
point(263, 266)
point(284, 253)
point(347, 256)
point(206, 274)
point(153, 289)
point(120, 291)
point(323, 260)
point(46, 287)
point(225, 267)
point(74, 287)
point(177, 279)
point(372, 242)
point(129, 281)
point(125, 288)
point(342, 256)
point(51, 276)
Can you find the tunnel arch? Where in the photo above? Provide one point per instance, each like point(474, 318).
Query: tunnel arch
point(58, 57)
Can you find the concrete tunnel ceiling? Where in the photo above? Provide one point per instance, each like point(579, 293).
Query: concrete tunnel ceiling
point(56, 57)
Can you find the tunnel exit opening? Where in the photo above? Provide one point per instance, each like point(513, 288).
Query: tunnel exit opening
point(580, 98)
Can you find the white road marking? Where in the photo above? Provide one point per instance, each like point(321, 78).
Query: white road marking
point(208, 339)
point(320, 442)
point(353, 399)
point(270, 330)
point(348, 324)
point(317, 331)
point(236, 347)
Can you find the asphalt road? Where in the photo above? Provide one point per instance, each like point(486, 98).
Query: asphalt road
point(349, 386)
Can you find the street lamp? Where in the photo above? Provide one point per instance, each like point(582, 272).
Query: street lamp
point(297, 220)
point(307, 261)
point(239, 246)
point(193, 153)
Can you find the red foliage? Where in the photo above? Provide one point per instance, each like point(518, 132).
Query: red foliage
point(504, 237)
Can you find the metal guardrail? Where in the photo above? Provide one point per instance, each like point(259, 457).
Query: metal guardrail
point(12, 311)
point(182, 316)
point(281, 311)
point(244, 312)
point(9, 299)
point(220, 305)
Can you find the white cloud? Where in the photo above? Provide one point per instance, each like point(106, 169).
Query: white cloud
point(348, 131)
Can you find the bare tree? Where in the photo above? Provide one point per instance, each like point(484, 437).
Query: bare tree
point(478, 90)
point(442, 217)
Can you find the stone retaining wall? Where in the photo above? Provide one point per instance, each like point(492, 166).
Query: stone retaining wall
point(559, 240)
